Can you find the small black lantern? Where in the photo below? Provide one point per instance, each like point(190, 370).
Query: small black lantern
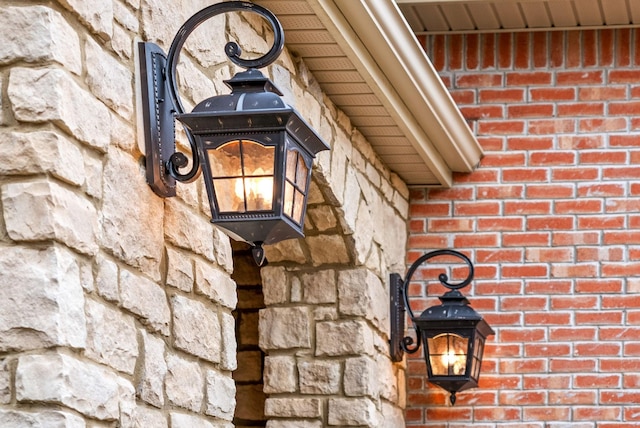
point(254, 150)
point(452, 334)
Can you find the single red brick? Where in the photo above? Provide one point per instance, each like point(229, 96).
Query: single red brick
point(547, 413)
point(553, 94)
point(592, 381)
point(571, 397)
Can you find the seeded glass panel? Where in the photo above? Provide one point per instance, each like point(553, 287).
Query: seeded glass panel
point(301, 174)
point(227, 194)
point(259, 191)
point(257, 159)
point(292, 157)
point(242, 174)
point(226, 160)
point(298, 206)
point(448, 354)
point(289, 191)
point(478, 350)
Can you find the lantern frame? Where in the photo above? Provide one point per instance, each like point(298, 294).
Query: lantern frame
point(463, 330)
point(253, 112)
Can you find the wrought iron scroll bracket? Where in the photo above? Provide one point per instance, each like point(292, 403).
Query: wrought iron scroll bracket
point(399, 291)
point(161, 102)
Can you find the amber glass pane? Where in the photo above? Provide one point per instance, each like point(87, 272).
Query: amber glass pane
point(225, 161)
point(258, 159)
point(289, 192)
point(259, 193)
point(448, 354)
point(292, 157)
point(298, 206)
point(301, 174)
point(229, 194)
point(478, 350)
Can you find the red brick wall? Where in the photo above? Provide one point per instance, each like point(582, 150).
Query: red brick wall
point(551, 220)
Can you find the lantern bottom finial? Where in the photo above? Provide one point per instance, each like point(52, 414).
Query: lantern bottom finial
point(258, 254)
point(452, 398)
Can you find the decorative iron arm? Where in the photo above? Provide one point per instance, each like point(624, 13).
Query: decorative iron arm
point(164, 169)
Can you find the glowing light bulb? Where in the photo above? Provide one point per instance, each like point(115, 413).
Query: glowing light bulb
point(455, 363)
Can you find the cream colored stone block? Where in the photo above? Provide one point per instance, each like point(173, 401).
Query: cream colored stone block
point(125, 17)
point(61, 379)
point(222, 250)
point(184, 383)
point(41, 152)
point(275, 285)
point(41, 302)
point(107, 279)
point(132, 215)
point(122, 42)
point(361, 377)
point(221, 395)
point(293, 407)
point(280, 374)
point(146, 299)
point(394, 239)
point(216, 284)
point(97, 15)
point(228, 353)
point(289, 250)
point(319, 377)
point(51, 95)
point(93, 174)
point(46, 418)
point(111, 337)
point(185, 229)
point(353, 412)
point(337, 338)
point(109, 80)
point(320, 287)
point(387, 378)
point(180, 270)
point(196, 86)
point(37, 34)
point(328, 249)
point(153, 370)
point(146, 417)
point(5, 382)
point(284, 328)
point(42, 210)
point(196, 328)
point(362, 293)
point(392, 416)
point(323, 217)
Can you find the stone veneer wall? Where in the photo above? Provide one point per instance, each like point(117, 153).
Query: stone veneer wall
point(116, 305)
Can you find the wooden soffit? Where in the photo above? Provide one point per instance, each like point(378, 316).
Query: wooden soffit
point(446, 16)
point(367, 60)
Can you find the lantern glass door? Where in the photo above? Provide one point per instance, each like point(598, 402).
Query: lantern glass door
point(242, 174)
point(448, 354)
point(295, 186)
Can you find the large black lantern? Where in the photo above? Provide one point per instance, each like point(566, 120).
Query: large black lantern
point(254, 150)
point(452, 334)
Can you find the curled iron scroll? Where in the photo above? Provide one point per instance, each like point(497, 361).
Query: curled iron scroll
point(179, 160)
point(408, 344)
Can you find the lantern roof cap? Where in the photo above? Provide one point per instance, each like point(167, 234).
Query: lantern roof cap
point(252, 79)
